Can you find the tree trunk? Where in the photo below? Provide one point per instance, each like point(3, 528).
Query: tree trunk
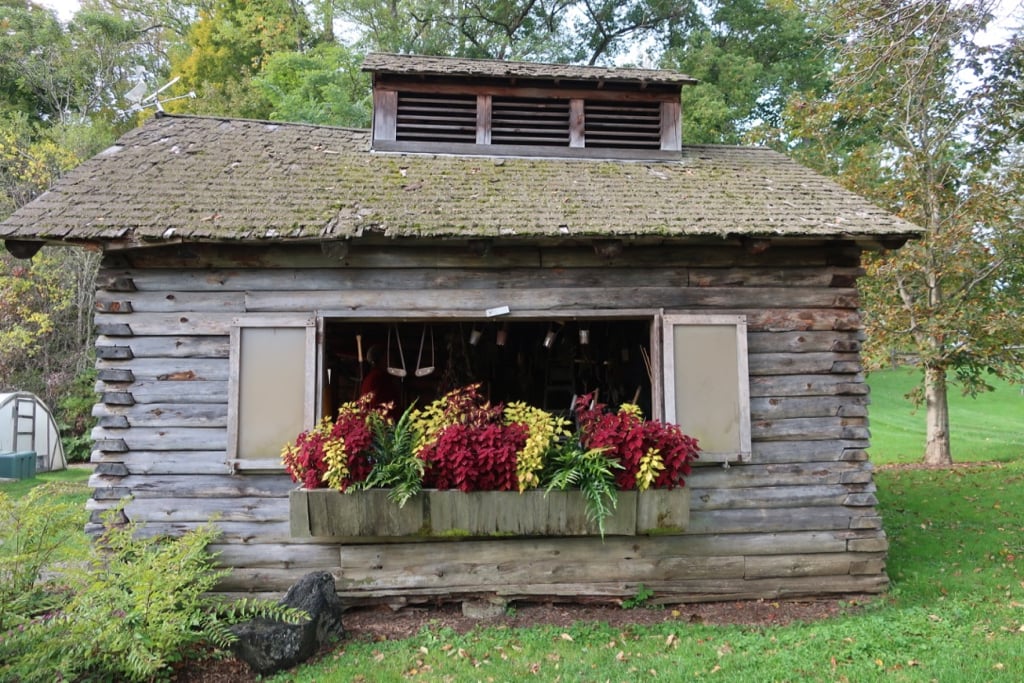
point(936, 450)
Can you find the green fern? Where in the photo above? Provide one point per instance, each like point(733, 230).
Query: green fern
point(133, 607)
point(396, 464)
point(37, 530)
point(591, 472)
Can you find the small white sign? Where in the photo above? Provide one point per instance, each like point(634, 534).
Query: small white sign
point(497, 310)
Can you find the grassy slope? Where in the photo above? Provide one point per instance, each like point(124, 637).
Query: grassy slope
point(987, 428)
point(16, 489)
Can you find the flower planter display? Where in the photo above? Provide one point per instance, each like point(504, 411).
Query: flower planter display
point(462, 467)
point(455, 514)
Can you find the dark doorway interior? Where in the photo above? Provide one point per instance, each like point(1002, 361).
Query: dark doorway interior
point(545, 363)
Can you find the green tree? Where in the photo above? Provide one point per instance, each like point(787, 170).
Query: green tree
point(906, 123)
point(588, 31)
point(65, 74)
point(751, 57)
point(25, 28)
point(324, 86)
point(229, 44)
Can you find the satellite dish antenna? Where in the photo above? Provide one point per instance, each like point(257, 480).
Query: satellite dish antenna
point(140, 100)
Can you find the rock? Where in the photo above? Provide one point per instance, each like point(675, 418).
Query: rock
point(267, 645)
point(484, 609)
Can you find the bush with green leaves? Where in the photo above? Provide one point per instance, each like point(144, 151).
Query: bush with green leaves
point(590, 471)
point(129, 610)
point(74, 415)
point(38, 530)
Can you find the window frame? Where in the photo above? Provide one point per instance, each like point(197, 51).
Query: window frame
point(235, 461)
point(743, 449)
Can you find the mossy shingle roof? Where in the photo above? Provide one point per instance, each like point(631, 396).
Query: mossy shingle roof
point(203, 178)
point(420, 65)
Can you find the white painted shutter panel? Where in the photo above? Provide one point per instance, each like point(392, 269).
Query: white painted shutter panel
point(706, 386)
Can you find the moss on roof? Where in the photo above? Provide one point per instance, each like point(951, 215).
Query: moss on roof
point(203, 178)
point(419, 65)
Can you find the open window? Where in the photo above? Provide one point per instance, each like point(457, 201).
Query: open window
point(544, 362)
point(707, 392)
point(686, 369)
point(273, 363)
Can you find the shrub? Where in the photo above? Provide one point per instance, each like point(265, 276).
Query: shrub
point(131, 608)
point(36, 531)
point(74, 416)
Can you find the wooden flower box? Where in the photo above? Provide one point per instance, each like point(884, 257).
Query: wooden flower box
point(454, 514)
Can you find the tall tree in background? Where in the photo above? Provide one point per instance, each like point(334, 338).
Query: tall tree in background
point(229, 43)
point(587, 31)
point(60, 100)
point(751, 57)
point(65, 74)
point(324, 85)
point(904, 125)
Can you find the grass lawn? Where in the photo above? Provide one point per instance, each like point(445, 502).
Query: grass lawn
point(74, 475)
point(987, 428)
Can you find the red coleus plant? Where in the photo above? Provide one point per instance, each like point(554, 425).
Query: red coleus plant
point(475, 457)
point(461, 441)
point(653, 454)
point(336, 453)
point(467, 445)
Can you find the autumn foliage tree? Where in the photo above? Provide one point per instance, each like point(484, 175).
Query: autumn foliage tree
point(903, 124)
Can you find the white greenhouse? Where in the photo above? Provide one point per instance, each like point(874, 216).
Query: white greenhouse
point(26, 424)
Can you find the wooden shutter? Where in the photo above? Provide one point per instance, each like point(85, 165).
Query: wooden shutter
point(272, 395)
point(706, 385)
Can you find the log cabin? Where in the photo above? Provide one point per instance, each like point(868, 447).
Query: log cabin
point(541, 229)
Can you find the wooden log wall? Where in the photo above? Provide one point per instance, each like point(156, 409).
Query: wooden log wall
point(799, 519)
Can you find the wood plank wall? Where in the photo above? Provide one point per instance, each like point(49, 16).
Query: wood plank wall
point(798, 520)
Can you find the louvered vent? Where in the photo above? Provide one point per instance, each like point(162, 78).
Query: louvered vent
point(436, 118)
point(524, 121)
point(632, 125)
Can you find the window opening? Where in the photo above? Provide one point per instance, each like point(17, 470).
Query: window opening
point(436, 118)
point(629, 125)
point(544, 363)
point(530, 121)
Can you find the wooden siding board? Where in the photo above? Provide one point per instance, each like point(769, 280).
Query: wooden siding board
point(155, 439)
point(764, 408)
point(166, 415)
point(674, 590)
point(769, 519)
point(351, 278)
point(194, 463)
point(167, 391)
point(218, 259)
point(240, 509)
point(547, 298)
point(155, 283)
point(164, 301)
point(169, 369)
point(769, 496)
point(790, 452)
point(166, 347)
point(786, 507)
point(198, 487)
